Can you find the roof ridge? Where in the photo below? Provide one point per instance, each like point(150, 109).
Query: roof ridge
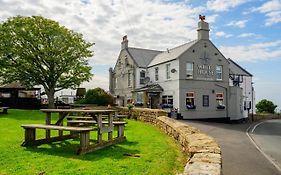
point(144, 49)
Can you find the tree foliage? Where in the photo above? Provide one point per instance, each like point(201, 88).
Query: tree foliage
point(39, 51)
point(97, 96)
point(266, 106)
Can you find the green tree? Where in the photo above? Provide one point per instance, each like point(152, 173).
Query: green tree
point(266, 106)
point(97, 96)
point(39, 51)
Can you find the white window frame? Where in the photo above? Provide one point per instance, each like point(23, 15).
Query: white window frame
point(189, 72)
point(168, 71)
point(142, 78)
point(220, 98)
point(190, 97)
point(219, 72)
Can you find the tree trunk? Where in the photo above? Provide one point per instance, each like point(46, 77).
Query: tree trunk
point(51, 99)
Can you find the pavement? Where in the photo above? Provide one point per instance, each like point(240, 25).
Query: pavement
point(267, 136)
point(239, 155)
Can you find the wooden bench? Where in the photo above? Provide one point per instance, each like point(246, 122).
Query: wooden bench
point(120, 125)
point(4, 110)
point(79, 118)
point(30, 135)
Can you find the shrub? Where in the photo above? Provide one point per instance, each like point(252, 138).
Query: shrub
point(266, 106)
point(97, 96)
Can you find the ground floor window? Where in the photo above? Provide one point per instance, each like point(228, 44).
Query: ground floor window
point(206, 100)
point(139, 99)
point(167, 101)
point(190, 104)
point(220, 101)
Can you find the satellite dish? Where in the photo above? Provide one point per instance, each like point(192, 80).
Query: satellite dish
point(173, 70)
point(146, 80)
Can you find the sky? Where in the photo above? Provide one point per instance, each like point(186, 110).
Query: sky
point(247, 31)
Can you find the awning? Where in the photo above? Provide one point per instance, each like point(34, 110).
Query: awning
point(150, 88)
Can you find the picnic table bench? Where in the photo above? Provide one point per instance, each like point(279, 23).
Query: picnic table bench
point(120, 125)
point(4, 110)
point(30, 135)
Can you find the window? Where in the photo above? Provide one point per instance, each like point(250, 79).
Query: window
point(142, 76)
point(167, 101)
point(206, 100)
point(28, 94)
point(219, 99)
point(218, 72)
point(5, 95)
point(129, 79)
point(156, 73)
point(190, 100)
point(189, 70)
point(168, 71)
point(139, 99)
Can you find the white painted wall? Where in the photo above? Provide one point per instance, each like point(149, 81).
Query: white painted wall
point(170, 86)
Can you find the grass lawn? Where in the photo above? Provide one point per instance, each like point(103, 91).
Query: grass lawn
point(158, 153)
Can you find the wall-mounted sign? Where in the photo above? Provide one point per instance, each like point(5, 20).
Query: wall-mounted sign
point(205, 70)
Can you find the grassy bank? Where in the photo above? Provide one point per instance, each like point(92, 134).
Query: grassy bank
point(147, 150)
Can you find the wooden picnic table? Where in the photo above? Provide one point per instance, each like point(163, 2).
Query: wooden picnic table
point(4, 110)
point(85, 146)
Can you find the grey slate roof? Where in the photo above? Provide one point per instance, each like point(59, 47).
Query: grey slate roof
point(172, 54)
point(234, 68)
point(142, 56)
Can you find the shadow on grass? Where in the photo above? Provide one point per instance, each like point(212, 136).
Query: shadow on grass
point(28, 115)
point(68, 149)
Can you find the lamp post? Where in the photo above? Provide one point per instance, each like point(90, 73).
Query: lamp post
point(252, 83)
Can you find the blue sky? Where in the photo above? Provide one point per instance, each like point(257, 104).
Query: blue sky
point(247, 31)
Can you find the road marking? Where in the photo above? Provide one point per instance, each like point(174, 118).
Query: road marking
point(255, 144)
point(256, 126)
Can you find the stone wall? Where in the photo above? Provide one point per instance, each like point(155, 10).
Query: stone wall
point(261, 116)
point(204, 151)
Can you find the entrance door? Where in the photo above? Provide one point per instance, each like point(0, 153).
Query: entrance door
point(154, 100)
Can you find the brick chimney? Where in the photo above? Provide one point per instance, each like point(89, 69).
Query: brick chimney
point(124, 43)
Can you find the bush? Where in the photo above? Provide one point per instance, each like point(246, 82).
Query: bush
point(97, 96)
point(266, 106)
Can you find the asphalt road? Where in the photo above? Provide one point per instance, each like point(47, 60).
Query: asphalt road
point(267, 135)
point(239, 155)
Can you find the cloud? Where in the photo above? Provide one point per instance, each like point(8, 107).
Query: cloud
point(224, 5)
point(246, 35)
point(240, 24)
point(148, 24)
point(272, 11)
point(223, 34)
point(253, 52)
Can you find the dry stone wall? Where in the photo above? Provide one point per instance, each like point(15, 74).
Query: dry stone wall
point(204, 151)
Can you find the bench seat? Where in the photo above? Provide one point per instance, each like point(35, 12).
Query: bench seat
point(79, 118)
point(94, 122)
point(55, 127)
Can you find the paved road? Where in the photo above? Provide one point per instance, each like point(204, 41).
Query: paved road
point(239, 155)
point(267, 136)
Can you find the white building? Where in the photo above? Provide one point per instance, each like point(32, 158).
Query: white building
point(195, 78)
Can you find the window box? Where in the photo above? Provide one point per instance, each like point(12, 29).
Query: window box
point(166, 106)
point(139, 104)
point(220, 107)
point(190, 107)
